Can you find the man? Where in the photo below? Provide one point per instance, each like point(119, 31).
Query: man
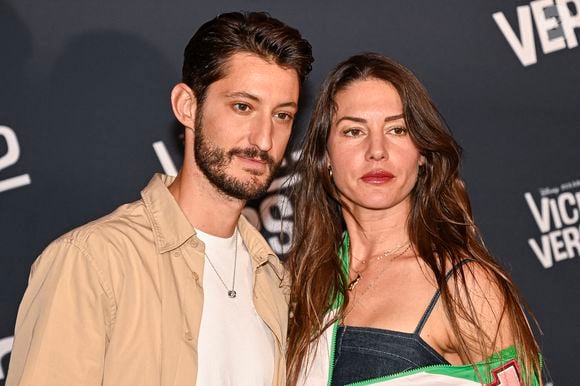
point(177, 288)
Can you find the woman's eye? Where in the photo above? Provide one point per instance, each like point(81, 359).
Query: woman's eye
point(242, 107)
point(398, 130)
point(352, 132)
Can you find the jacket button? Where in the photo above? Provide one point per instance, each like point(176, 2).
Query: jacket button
point(176, 254)
point(193, 243)
point(188, 335)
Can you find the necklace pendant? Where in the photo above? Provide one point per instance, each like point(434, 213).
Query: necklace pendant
point(354, 283)
point(232, 294)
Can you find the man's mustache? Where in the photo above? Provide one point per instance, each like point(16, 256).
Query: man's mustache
point(252, 152)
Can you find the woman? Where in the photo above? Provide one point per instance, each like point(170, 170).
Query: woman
point(391, 281)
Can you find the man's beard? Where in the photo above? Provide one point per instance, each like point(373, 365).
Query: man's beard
point(213, 161)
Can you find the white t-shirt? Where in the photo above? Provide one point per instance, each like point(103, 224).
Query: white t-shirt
point(235, 346)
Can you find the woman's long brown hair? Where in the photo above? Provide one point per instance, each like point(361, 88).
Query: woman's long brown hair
point(440, 224)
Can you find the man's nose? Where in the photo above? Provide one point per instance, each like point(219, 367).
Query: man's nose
point(261, 132)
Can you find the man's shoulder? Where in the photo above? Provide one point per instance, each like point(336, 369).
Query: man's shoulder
point(117, 222)
point(95, 246)
point(107, 232)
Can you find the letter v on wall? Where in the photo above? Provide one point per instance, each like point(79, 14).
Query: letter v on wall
point(524, 46)
point(542, 216)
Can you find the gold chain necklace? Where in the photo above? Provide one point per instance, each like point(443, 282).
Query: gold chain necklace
point(380, 256)
point(353, 283)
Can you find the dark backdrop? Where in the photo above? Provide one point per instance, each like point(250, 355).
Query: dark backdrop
point(84, 95)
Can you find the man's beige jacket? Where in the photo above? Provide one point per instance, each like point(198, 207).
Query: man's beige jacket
point(118, 302)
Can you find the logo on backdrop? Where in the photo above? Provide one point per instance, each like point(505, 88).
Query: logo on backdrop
point(5, 349)
point(10, 158)
point(555, 23)
point(271, 214)
point(557, 214)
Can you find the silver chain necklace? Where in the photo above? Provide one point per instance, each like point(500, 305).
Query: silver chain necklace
point(231, 292)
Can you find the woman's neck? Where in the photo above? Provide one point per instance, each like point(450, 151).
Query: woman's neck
point(372, 232)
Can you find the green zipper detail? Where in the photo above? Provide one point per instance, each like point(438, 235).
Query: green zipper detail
point(504, 355)
point(343, 253)
point(332, 347)
point(396, 375)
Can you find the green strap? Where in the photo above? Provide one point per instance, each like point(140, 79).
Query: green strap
point(343, 254)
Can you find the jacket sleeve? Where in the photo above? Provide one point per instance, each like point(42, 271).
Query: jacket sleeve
point(63, 322)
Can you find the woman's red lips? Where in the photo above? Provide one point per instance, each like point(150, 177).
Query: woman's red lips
point(377, 177)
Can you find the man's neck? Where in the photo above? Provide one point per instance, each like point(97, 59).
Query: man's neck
point(204, 205)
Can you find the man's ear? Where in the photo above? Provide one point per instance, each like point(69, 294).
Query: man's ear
point(184, 104)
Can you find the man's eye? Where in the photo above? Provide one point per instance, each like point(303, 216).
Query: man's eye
point(284, 116)
point(242, 107)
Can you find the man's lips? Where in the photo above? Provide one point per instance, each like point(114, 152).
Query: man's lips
point(377, 177)
point(252, 156)
point(255, 160)
point(254, 164)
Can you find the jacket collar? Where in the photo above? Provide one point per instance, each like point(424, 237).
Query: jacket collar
point(258, 247)
point(171, 228)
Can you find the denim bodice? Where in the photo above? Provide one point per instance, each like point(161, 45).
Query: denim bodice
point(365, 353)
point(362, 353)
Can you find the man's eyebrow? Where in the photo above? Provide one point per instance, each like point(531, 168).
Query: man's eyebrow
point(288, 104)
point(243, 94)
point(362, 120)
point(247, 95)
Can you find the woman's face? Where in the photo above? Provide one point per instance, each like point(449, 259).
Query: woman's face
point(374, 161)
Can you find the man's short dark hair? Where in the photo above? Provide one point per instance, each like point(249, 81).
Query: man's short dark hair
point(256, 33)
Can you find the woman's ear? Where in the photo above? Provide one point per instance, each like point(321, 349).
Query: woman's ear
point(184, 104)
point(422, 160)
